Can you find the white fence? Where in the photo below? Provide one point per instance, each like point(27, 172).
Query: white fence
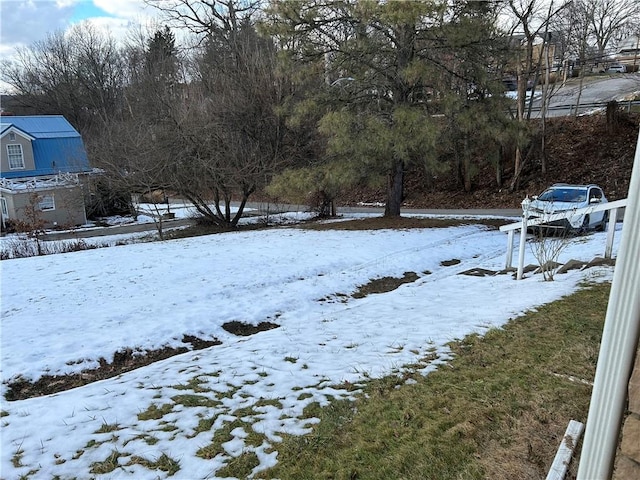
point(531, 222)
point(40, 182)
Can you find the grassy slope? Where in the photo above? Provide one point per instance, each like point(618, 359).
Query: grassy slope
point(498, 410)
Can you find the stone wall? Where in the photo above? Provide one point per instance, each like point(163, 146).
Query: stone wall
point(628, 458)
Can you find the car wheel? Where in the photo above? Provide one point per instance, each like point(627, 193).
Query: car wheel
point(603, 225)
point(585, 224)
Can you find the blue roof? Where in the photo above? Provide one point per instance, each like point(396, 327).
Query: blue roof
point(40, 126)
point(57, 146)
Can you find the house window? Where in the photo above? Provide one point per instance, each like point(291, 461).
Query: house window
point(12, 137)
point(3, 207)
point(46, 203)
point(16, 159)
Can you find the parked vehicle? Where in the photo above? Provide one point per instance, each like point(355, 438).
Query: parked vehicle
point(617, 68)
point(563, 197)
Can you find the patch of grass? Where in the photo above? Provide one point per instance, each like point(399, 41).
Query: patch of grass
point(498, 409)
point(210, 451)
point(195, 401)
point(204, 425)
point(148, 439)
point(168, 427)
point(164, 463)
point(267, 401)
point(107, 428)
point(4, 413)
point(223, 435)
point(154, 412)
point(108, 465)
point(92, 443)
point(240, 466)
point(194, 384)
point(290, 359)
point(32, 472)
point(16, 459)
point(232, 390)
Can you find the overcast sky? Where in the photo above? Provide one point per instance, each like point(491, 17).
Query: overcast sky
point(23, 22)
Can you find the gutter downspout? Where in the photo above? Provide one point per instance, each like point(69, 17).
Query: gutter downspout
point(618, 347)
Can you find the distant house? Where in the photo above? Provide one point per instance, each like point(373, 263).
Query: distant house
point(628, 53)
point(42, 165)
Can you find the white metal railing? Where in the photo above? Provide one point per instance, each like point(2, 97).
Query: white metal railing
point(43, 181)
point(531, 222)
point(618, 347)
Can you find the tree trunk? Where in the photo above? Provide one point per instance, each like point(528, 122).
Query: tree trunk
point(395, 181)
point(467, 166)
point(522, 92)
point(543, 146)
point(247, 190)
point(515, 181)
point(500, 165)
point(613, 116)
point(467, 174)
point(545, 106)
point(582, 73)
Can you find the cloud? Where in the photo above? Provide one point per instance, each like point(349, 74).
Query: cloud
point(26, 22)
point(124, 8)
point(23, 23)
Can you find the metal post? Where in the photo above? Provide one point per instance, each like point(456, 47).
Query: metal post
point(613, 218)
point(509, 249)
point(523, 236)
point(617, 348)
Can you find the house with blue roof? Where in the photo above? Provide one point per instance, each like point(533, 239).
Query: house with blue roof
point(43, 163)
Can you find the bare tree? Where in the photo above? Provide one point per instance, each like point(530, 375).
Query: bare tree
point(608, 18)
point(547, 245)
point(134, 160)
point(224, 133)
point(208, 18)
point(78, 74)
point(532, 18)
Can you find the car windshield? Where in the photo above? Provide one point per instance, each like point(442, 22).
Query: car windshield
point(564, 195)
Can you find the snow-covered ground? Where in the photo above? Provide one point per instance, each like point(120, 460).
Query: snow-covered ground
point(62, 313)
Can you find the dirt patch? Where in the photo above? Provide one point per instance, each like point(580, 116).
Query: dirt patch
point(478, 272)
point(384, 284)
point(449, 263)
point(400, 223)
point(123, 361)
point(245, 329)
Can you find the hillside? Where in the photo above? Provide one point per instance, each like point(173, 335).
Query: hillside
point(580, 150)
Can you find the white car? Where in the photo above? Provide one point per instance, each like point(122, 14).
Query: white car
point(563, 197)
point(617, 68)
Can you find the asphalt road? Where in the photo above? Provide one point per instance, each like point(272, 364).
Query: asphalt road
point(600, 89)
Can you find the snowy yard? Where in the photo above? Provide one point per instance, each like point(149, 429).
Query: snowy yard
point(62, 313)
